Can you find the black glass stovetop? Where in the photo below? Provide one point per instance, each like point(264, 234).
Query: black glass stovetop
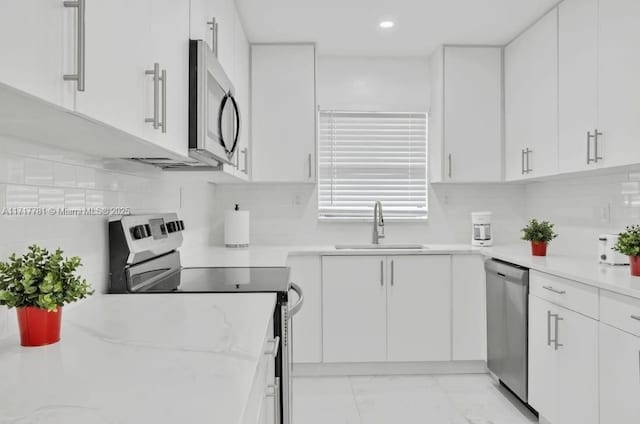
point(223, 280)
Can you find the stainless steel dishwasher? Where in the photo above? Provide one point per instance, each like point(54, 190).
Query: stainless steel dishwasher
point(507, 324)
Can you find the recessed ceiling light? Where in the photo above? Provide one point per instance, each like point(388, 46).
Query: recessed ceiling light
point(387, 24)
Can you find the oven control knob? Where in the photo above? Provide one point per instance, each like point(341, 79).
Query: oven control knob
point(180, 225)
point(139, 232)
point(172, 227)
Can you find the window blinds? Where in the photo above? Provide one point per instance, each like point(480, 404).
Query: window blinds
point(369, 156)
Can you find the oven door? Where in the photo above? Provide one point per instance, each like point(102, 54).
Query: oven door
point(214, 121)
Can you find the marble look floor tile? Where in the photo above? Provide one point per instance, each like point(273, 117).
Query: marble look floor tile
point(323, 400)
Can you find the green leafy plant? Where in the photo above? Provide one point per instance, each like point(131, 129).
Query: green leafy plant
point(539, 231)
point(629, 241)
point(42, 279)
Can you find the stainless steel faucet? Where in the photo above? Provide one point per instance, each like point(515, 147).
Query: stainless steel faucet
point(378, 223)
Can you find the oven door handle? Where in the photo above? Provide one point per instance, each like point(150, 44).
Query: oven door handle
point(295, 308)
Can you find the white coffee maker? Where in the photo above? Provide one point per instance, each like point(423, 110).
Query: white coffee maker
point(481, 234)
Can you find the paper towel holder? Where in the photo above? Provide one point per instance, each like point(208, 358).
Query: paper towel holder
point(236, 228)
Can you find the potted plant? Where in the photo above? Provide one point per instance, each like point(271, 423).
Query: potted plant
point(38, 284)
point(629, 244)
point(539, 234)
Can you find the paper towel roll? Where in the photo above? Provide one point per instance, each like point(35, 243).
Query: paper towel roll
point(236, 228)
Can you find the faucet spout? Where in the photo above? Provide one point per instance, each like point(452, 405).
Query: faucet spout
point(378, 222)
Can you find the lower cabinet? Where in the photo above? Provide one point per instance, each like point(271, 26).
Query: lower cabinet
point(469, 304)
point(563, 364)
point(386, 308)
point(619, 376)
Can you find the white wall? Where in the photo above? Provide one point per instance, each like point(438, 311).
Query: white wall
point(287, 214)
point(584, 207)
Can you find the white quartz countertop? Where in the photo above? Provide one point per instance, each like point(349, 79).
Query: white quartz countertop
point(156, 358)
point(273, 255)
point(614, 278)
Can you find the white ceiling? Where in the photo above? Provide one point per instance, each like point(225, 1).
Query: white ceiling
point(350, 27)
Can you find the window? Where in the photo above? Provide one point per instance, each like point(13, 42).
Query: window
point(369, 156)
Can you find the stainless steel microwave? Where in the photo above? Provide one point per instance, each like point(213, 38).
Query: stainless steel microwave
point(214, 120)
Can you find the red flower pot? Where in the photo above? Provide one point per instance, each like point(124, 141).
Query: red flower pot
point(634, 261)
point(39, 327)
point(538, 248)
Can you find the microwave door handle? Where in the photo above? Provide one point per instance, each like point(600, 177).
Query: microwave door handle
point(296, 308)
point(236, 113)
point(223, 104)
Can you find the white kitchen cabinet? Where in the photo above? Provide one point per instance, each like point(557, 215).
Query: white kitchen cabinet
point(619, 376)
point(531, 101)
point(169, 46)
point(469, 318)
point(354, 297)
point(418, 308)
point(577, 84)
point(618, 82)
point(202, 14)
point(117, 91)
point(37, 47)
point(283, 112)
point(306, 271)
point(472, 104)
point(436, 118)
point(563, 364)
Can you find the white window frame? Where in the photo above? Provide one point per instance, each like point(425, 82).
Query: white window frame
point(387, 216)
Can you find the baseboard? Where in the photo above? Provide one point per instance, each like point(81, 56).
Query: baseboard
point(389, 368)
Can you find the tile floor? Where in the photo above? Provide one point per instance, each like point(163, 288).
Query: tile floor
point(440, 399)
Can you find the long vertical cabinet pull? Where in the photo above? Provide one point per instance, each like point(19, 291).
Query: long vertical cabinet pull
point(527, 154)
point(596, 135)
point(555, 341)
point(549, 328)
point(310, 164)
point(214, 35)
point(381, 273)
point(589, 138)
point(245, 168)
point(78, 77)
point(163, 123)
point(522, 161)
point(156, 88)
point(449, 165)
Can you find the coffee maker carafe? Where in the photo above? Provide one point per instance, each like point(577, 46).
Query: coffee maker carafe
point(481, 232)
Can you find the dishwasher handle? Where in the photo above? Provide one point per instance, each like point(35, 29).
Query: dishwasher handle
point(507, 271)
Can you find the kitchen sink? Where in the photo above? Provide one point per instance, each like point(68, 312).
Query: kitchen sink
point(371, 246)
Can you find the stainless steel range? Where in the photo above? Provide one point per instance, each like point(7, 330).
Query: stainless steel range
point(144, 259)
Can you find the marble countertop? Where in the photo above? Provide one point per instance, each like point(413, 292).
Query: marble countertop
point(268, 255)
point(614, 278)
point(157, 358)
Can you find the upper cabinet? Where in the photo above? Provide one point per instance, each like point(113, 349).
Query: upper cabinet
point(283, 112)
point(33, 39)
point(214, 21)
point(469, 109)
point(531, 101)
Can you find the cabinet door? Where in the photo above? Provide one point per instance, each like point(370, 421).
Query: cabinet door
point(34, 36)
point(354, 319)
point(283, 112)
point(306, 271)
point(469, 329)
point(619, 376)
point(473, 114)
point(578, 82)
point(419, 308)
point(117, 55)
point(202, 12)
point(618, 84)
point(563, 382)
point(531, 100)
point(169, 47)
point(243, 96)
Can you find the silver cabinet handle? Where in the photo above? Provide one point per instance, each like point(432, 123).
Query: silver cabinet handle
point(549, 328)
point(449, 165)
point(156, 101)
point(309, 161)
point(245, 168)
point(636, 317)
point(381, 273)
point(596, 135)
point(554, 290)
point(527, 153)
point(558, 319)
point(589, 138)
point(522, 161)
point(78, 77)
point(214, 35)
point(163, 123)
point(392, 273)
point(275, 346)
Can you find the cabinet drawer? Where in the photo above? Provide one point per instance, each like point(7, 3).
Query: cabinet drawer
point(570, 294)
point(620, 311)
